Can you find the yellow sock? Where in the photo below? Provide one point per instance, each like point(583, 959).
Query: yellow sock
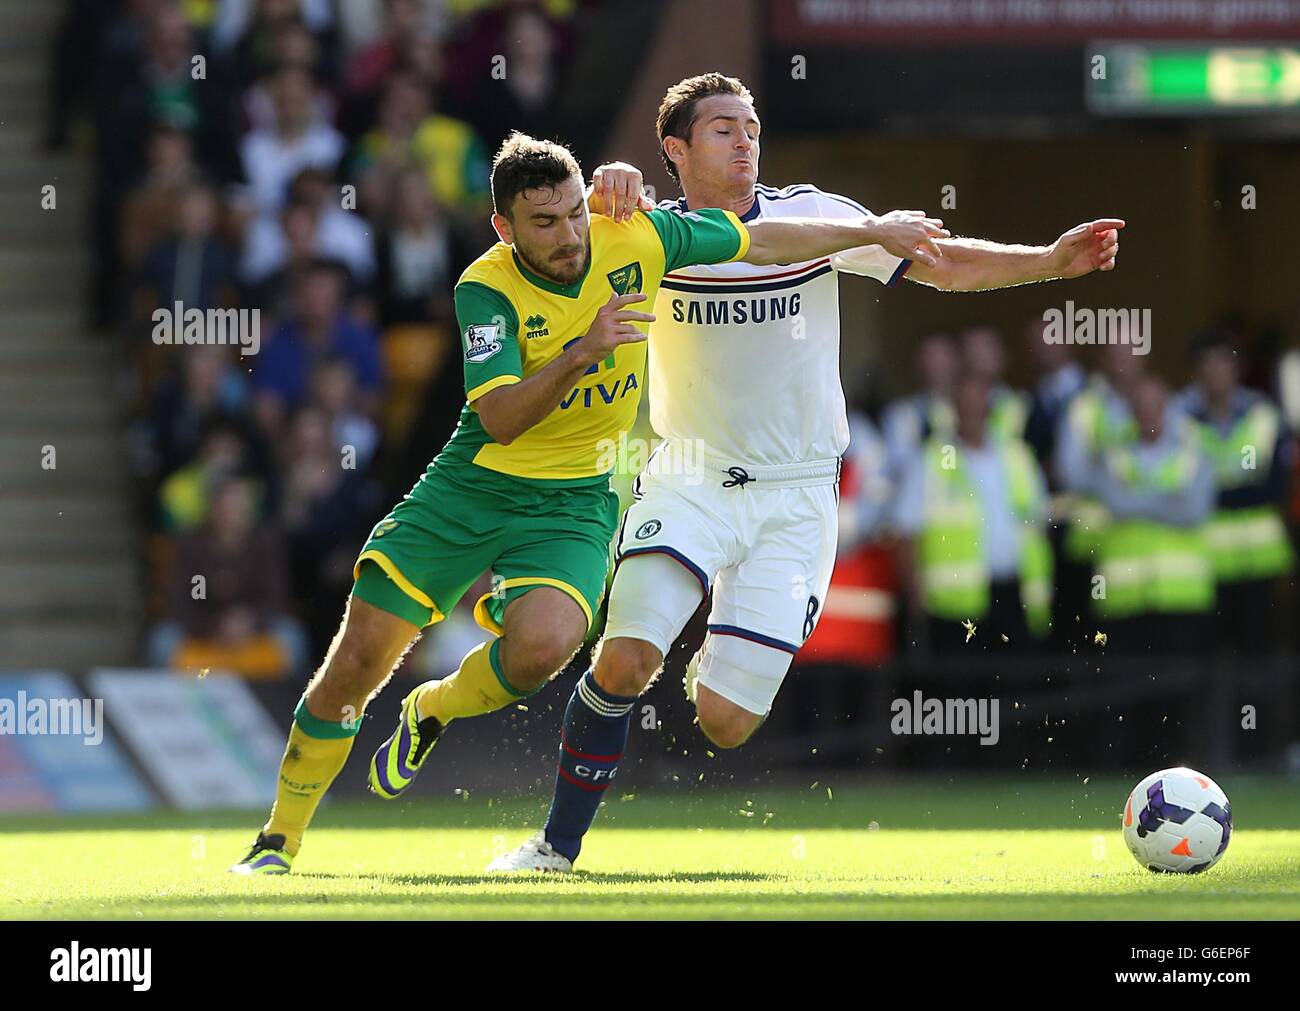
point(315, 754)
point(478, 686)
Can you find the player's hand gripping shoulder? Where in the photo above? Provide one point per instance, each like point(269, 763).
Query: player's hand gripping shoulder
point(616, 191)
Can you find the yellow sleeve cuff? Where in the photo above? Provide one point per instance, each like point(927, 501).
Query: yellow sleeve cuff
point(743, 251)
point(490, 385)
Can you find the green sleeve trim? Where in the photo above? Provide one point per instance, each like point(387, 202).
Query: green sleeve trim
point(709, 235)
point(478, 304)
point(323, 729)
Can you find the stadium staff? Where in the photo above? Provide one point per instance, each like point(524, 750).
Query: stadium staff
point(974, 510)
point(1240, 430)
point(1098, 418)
point(1158, 489)
point(982, 353)
point(909, 421)
point(1059, 380)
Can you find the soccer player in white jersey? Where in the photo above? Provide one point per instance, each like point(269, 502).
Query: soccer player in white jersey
point(739, 502)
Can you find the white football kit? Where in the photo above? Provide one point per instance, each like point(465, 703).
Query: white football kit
point(745, 391)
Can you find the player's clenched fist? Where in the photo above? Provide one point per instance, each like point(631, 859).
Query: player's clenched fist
point(612, 326)
point(910, 235)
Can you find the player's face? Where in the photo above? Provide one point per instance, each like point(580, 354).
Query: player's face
point(548, 228)
point(724, 143)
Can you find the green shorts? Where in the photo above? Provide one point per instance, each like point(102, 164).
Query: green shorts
point(461, 520)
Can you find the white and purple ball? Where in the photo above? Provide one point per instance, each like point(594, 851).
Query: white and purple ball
point(1177, 821)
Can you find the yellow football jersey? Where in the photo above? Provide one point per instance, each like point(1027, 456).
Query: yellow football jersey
point(514, 323)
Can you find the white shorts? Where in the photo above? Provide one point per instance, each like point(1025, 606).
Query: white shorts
point(761, 540)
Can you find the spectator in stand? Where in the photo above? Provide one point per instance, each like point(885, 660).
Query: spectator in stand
point(194, 266)
point(1241, 431)
point(150, 210)
point(337, 234)
point(326, 510)
point(1157, 583)
point(355, 434)
point(973, 507)
point(420, 258)
point(227, 594)
point(299, 140)
point(909, 422)
point(526, 98)
point(320, 328)
point(211, 388)
point(486, 33)
point(248, 34)
point(447, 151)
point(186, 495)
point(136, 92)
point(377, 60)
point(293, 46)
point(273, 292)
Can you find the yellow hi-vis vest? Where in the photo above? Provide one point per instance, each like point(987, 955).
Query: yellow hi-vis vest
point(1009, 414)
point(1148, 566)
point(1251, 542)
point(954, 571)
point(1088, 517)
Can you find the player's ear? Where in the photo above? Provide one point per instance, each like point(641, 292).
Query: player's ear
point(673, 151)
point(505, 233)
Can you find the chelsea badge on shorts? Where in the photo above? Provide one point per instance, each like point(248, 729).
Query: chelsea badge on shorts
point(648, 529)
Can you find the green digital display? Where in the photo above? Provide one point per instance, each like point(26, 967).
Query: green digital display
point(1184, 79)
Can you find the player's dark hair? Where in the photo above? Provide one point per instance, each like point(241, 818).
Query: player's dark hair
point(526, 163)
point(678, 111)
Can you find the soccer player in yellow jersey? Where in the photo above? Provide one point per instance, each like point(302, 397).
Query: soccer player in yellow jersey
point(554, 360)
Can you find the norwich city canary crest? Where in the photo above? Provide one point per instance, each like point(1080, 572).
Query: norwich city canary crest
point(626, 280)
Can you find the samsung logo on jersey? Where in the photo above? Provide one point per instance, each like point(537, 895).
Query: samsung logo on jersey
point(721, 311)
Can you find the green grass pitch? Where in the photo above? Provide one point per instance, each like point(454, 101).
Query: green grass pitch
point(914, 848)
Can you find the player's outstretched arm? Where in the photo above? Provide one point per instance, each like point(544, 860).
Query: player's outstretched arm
point(909, 235)
point(509, 411)
point(980, 265)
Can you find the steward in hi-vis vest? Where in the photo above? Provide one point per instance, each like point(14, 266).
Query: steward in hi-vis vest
point(1153, 560)
point(975, 508)
point(1240, 431)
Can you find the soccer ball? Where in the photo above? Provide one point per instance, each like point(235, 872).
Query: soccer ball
point(1178, 821)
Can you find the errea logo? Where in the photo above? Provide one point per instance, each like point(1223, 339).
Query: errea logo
point(535, 326)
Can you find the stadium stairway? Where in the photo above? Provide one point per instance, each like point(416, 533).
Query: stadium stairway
point(70, 593)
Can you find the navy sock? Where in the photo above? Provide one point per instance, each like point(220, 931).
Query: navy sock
point(595, 734)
